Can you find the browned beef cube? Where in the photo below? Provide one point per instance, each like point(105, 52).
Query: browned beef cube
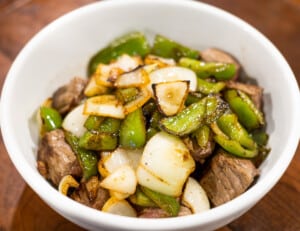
point(68, 96)
point(227, 177)
point(56, 158)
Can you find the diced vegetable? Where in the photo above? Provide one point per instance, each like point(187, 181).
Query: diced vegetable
point(98, 141)
point(67, 182)
point(133, 130)
point(168, 48)
point(206, 87)
point(133, 43)
point(51, 118)
point(104, 105)
point(142, 97)
point(126, 95)
point(122, 180)
point(75, 120)
point(187, 120)
point(165, 202)
point(139, 198)
point(244, 108)
point(162, 154)
point(88, 159)
point(170, 74)
point(221, 71)
point(106, 75)
point(119, 207)
point(110, 125)
point(136, 78)
point(93, 122)
point(194, 196)
point(170, 96)
point(159, 61)
point(93, 88)
point(229, 124)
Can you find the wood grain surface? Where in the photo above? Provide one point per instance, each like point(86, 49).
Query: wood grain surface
point(22, 210)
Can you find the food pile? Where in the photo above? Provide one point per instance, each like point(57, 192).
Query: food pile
point(154, 131)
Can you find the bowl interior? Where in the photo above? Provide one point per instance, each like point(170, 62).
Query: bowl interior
point(62, 50)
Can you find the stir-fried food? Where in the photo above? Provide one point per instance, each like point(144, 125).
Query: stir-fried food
point(154, 131)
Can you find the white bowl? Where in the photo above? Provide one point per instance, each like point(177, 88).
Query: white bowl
point(62, 50)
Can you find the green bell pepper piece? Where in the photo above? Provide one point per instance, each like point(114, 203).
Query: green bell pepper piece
point(165, 202)
point(206, 87)
point(88, 160)
point(234, 147)
point(187, 120)
point(229, 124)
point(134, 43)
point(93, 122)
point(244, 108)
point(221, 71)
point(203, 136)
point(139, 198)
point(168, 48)
point(98, 141)
point(126, 95)
point(51, 118)
point(193, 97)
point(260, 137)
point(110, 125)
point(133, 130)
point(215, 107)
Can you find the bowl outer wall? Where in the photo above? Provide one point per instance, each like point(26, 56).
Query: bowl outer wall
point(24, 90)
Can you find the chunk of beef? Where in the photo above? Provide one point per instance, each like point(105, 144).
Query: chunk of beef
point(91, 194)
point(217, 55)
point(55, 157)
point(255, 92)
point(227, 177)
point(68, 96)
point(159, 213)
point(197, 152)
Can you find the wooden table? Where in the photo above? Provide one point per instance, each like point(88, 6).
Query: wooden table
point(20, 207)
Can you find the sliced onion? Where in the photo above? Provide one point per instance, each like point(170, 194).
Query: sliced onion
point(93, 88)
point(170, 96)
point(160, 61)
point(135, 78)
point(195, 197)
point(166, 159)
point(104, 105)
point(143, 96)
point(118, 195)
point(67, 182)
point(119, 207)
point(74, 121)
point(115, 160)
point(127, 63)
point(122, 180)
point(168, 74)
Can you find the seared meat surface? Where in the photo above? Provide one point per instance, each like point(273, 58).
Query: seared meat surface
point(197, 152)
point(91, 194)
point(68, 96)
point(227, 177)
point(56, 158)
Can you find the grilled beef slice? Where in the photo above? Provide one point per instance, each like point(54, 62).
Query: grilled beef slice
point(56, 158)
point(68, 96)
point(227, 177)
